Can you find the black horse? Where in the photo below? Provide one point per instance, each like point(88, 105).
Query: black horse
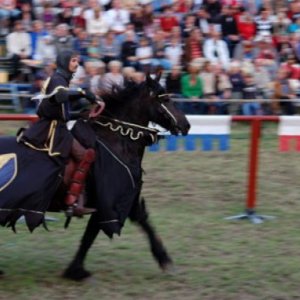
point(113, 187)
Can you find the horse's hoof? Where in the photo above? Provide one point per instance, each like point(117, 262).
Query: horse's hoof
point(168, 268)
point(76, 274)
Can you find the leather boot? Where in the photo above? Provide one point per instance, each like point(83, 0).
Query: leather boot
point(78, 209)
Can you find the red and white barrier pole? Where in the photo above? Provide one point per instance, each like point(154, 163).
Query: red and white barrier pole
point(256, 122)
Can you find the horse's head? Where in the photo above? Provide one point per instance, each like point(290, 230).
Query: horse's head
point(162, 110)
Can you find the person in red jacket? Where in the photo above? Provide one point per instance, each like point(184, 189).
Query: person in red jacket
point(168, 20)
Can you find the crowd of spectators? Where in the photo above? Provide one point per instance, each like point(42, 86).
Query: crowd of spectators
point(214, 50)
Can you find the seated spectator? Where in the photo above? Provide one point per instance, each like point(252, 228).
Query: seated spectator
point(237, 82)
point(229, 28)
point(246, 26)
point(128, 50)
point(36, 34)
point(192, 88)
point(250, 92)
point(283, 91)
point(245, 51)
point(65, 16)
point(48, 13)
point(18, 44)
point(188, 25)
point(159, 45)
point(264, 22)
point(281, 23)
point(168, 20)
point(202, 21)
point(97, 24)
point(117, 17)
point(144, 54)
point(113, 77)
point(93, 49)
point(137, 18)
point(173, 81)
point(295, 26)
point(174, 52)
point(94, 72)
point(193, 46)
point(81, 44)
point(8, 12)
point(27, 16)
point(63, 40)
point(109, 48)
point(213, 8)
point(46, 50)
point(128, 74)
point(216, 50)
point(262, 79)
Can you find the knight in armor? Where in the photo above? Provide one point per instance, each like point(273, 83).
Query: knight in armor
point(50, 133)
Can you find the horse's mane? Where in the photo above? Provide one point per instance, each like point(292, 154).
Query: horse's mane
point(120, 95)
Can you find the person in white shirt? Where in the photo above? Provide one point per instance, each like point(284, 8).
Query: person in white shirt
point(46, 51)
point(174, 52)
point(18, 44)
point(144, 54)
point(117, 17)
point(216, 50)
point(97, 24)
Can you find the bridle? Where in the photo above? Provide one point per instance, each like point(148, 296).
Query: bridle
point(134, 131)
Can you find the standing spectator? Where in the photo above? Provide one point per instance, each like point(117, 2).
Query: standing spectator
point(216, 50)
point(229, 29)
point(109, 47)
point(18, 45)
point(250, 92)
point(192, 88)
point(62, 39)
point(117, 17)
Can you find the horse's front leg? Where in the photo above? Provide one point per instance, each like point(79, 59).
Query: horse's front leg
point(139, 215)
point(75, 270)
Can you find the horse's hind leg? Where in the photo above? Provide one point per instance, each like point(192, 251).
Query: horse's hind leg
point(75, 270)
point(139, 215)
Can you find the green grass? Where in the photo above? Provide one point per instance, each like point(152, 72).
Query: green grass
point(189, 195)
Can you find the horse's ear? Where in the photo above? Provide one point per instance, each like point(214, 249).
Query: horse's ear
point(158, 76)
point(148, 78)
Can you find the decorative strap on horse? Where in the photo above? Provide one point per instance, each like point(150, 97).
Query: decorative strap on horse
point(134, 131)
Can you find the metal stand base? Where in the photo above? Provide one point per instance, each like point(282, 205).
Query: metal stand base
point(251, 216)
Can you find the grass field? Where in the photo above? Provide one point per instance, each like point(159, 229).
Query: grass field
point(189, 195)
